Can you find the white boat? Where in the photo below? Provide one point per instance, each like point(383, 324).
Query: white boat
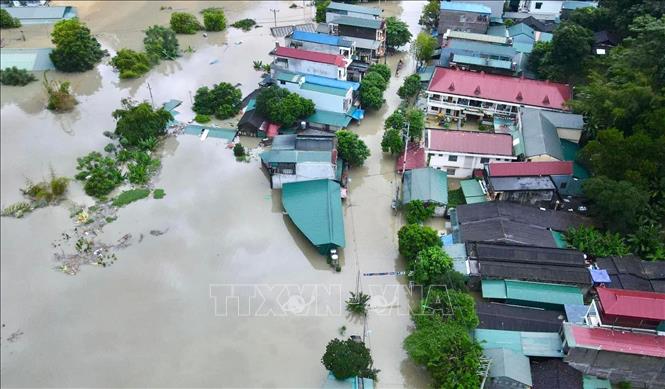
point(204, 134)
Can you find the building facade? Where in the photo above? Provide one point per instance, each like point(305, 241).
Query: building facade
point(327, 94)
point(468, 17)
point(323, 43)
point(309, 62)
point(335, 10)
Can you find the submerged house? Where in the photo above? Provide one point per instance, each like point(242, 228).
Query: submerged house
point(335, 10)
point(328, 94)
point(323, 43)
point(368, 34)
point(468, 17)
point(309, 62)
point(427, 185)
point(41, 15)
point(315, 207)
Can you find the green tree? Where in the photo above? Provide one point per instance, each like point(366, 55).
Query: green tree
point(348, 358)
point(417, 212)
point(430, 15)
point(617, 204)
point(410, 88)
point(214, 19)
point(416, 119)
point(397, 33)
point(7, 21)
point(351, 148)
point(392, 141)
point(539, 57)
point(161, 43)
point(238, 150)
point(321, 6)
point(76, 50)
point(374, 79)
point(571, 45)
point(396, 120)
point(371, 96)
point(648, 241)
point(184, 23)
point(130, 63)
point(448, 352)
point(457, 306)
point(223, 100)
point(596, 243)
point(414, 238)
point(16, 76)
point(594, 19)
point(99, 174)
point(382, 69)
point(138, 122)
point(283, 107)
point(431, 262)
point(424, 47)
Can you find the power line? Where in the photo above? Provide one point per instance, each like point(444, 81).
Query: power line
point(274, 12)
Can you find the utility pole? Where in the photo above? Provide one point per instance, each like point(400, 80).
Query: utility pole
point(152, 102)
point(274, 12)
point(406, 146)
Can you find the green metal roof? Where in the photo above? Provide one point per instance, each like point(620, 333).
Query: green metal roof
point(591, 382)
point(31, 60)
point(570, 150)
point(330, 118)
point(531, 344)
point(324, 89)
point(473, 193)
point(358, 22)
point(510, 364)
point(471, 60)
point(295, 156)
point(559, 239)
point(354, 8)
point(287, 76)
point(425, 184)
point(532, 292)
point(315, 207)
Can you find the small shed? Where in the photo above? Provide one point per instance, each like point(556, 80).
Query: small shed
point(32, 60)
point(508, 369)
point(473, 191)
point(536, 294)
point(428, 185)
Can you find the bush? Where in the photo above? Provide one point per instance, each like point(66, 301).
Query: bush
point(351, 148)
point(143, 167)
point(130, 63)
point(51, 191)
point(158, 194)
point(346, 359)
point(410, 88)
point(60, 98)
point(459, 306)
point(76, 50)
point(7, 21)
point(223, 101)
point(184, 23)
point(414, 238)
point(214, 19)
point(283, 107)
point(431, 263)
point(244, 24)
point(17, 210)
point(199, 118)
point(382, 69)
point(455, 198)
point(16, 76)
point(129, 196)
point(392, 141)
point(161, 43)
point(138, 123)
point(99, 174)
point(238, 150)
point(417, 212)
point(596, 243)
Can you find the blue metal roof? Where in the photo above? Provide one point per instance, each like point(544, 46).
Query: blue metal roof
point(466, 7)
point(324, 39)
point(331, 82)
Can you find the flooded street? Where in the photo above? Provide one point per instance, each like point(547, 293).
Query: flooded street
point(153, 318)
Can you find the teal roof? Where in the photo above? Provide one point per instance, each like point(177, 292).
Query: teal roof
point(559, 239)
point(572, 5)
point(545, 37)
point(172, 104)
point(492, 63)
point(213, 132)
point(523, 47)
point(426, 184)
point(41, 15)
point(539, 130)
point(473, 193)
point(330, 118)
point(349, 383)
point(354, 8)
point(457, 251)
point(570, 150)
point(499, 30)
point(315, 207)
point(251, 104)
point(32, 60)
point(510, 364)
point(465, 7)
point(521, 29)
point(358, 22)
point(535, 292)
point(287, 76)
point(295, 156)
point(324, 89)
point(530, 344)
point(591, 382)
point(426, 73)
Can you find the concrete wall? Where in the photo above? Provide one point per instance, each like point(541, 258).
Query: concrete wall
point(463, 21)
point(464, 165)
point(552, 7)
point(568, 134)
point(323, 101)
point(309, 67)
point(346, 52)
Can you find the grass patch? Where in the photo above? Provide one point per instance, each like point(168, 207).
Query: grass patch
point(244, 24)
point(111, 219)
point(158, 194)
point(199, 118)
point(455, 198)
point(129, 196)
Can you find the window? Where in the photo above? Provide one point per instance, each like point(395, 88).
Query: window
point(539, 4)
point(563, 185)
point(452, 158)
point(451, 172)
point(462, 18)
point(484, 160)
point(281, 82)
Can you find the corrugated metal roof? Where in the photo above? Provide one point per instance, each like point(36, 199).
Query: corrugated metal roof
point(482, 48)
point(41, 15)
point(569, 150)
point(523, 47)
point(575, 313)
point(354, 8)
point(531, 292)
point(508, 363)
point(539, 129)
point(498, 30)
point(632, 303)
point(295, 156)
point(535, 168)
point(324, 89)
point(329, 118)
point(425, 184)
point(499, 316)
point(466, 7)
point(480, 61)
point(471, 142)
point(525, 254)
point(457, 251)
point(31, 60)
point(332, 82)
point(473, 192)
point(284, 142)
point(532, 344)
point(324, 39)
point(521, 29)
point(471, 36)
point(505, 184)
point(358, 22)
point(315, 207)
point(362, 43)
point(313, 56)
point(614, 340)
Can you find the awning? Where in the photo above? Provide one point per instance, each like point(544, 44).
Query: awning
point(358, 114)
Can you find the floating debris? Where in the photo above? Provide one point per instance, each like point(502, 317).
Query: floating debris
point(14, 336)
point(158, 232)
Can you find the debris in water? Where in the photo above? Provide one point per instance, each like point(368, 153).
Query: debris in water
point(14, 337)
point(214, 61)
point(158, 232)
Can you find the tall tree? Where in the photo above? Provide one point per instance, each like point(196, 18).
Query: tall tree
point(351, 148)
point(138, 122)
point(618, 204)
point(76, 50)
point(424, 47)
point(410, 88)
point(413, 238)
point(346, 359)
point(397, 33)
point(392, 141)
point(430, 15)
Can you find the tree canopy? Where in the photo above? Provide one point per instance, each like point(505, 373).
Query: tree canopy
point(283, 107)
point(397, 33)
point(453, 305)
point(617, 204)
point(76, 50)
point(430, 15)
point(130, 63)
point(424, 46)
point(214, 19)
point(414, 238)
point(372, 86)
point(392, 141)
point(564, 57)
point(184, 23)
point(138, 122)
point(416, 119)
point(223, 100)
point(348, 358)
point(431, 262)
point(321, 6)
point(351, 148)
point(161, 43)
point(596, 243)
point(7, 20)
point(410, 88)
point(418, 212)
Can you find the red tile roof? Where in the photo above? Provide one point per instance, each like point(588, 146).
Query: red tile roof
point(471, 142)
point(500, 88)
point(273, 130)
point(632, 303)
point(314, 56)
point(619, 341)
point(525, 169)
point(415, 158)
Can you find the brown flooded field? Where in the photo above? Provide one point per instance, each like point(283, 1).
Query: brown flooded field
point(150, 320)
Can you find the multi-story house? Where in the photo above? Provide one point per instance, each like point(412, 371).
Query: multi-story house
point(309, 62)
point(372, 33)
point(323, 43)
point(328, 94)
point(335, 10)
point(468, 17)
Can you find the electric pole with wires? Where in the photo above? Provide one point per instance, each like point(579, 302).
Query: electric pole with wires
point(274, 12)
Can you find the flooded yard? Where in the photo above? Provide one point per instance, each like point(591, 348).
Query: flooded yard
point(153, 318)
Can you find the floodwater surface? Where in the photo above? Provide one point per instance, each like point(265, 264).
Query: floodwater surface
point(157, 316)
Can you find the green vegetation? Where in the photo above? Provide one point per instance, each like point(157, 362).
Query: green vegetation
point(596, 243)
point(617, 204)
point(410, 88)
point(357, 303)
point(46, 192)
point(130, 63)
point(416, 119)
point(458, 305)
point(564, 57)
point(396, 120)
point(430, 15)
point(424, 46)
point(348, 358)
point(321, 6)
point(158, 194)
point(17, 210)
point(100, 174)
point(223, 100)
point(244, 24)
point(372, 86)
point(139, 123)
point(397, 33)
point(382, 69)
point(143, 167)
point(7, 21)
point(129, 196)
point(413, 238)
point(199, 118)
point(238, 150)
point(184, 23)
point(60, 98)
point(283, 107)
point(392, 141)
point(351, 148)
point(76, 50)
point(455, 198)
point(16, 76)
point(161, 43)
point(214, 19)
point(430, 264)
point(417, 212)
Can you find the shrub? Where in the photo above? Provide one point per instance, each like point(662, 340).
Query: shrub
point(596, 243)
point(16, 76)
point(161, 43)
point(223, 100)
point(139, 122)
point(158, 194)
point(459, 306)
point(17, 209)
point(349, 358)
point(130, 63)
point(351, 148)
point(199, 118)
point(283, 107)
point(431, 262)
point(238, 150)
point(129, 196)
point(60, 98)
point(7, 21)
point(244, 24)
point(51, 191)
point(143, 167)
point(110, 148)
point(357, 303)
point(76, 50)
point(99, 174)
point(184, 23)
point(456, 197)
point(214, 19)
point(414, 238)
point(418, 212)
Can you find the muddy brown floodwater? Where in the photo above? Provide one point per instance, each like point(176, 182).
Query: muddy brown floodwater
point(155, 317)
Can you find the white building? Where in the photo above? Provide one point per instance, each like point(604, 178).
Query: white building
point(335, 10)
point(323, 43)
point(310, 62)
point(458, 153)
point(328, 94)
